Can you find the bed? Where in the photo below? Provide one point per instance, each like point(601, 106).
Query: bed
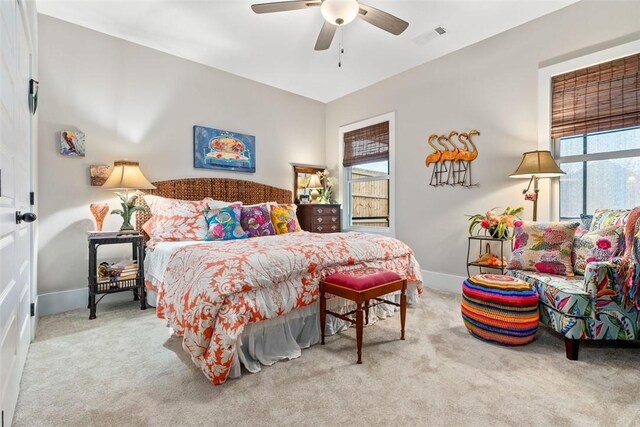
point(252, 302)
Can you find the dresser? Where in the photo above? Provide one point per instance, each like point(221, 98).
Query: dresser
point(319, 218)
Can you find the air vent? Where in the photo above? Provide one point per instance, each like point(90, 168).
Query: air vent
point(440, 31)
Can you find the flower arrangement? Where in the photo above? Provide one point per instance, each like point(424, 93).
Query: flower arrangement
point(497, 224)
point(328, 183)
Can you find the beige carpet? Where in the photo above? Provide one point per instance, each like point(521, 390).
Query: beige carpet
point(123, 369)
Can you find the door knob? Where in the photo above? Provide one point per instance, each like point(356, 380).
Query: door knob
point(26, 217)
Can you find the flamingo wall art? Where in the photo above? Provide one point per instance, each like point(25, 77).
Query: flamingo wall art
point(451, 161)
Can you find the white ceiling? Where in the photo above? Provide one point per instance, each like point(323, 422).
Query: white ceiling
point(277, 49)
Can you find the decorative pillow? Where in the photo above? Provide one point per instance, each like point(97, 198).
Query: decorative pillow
point(175, 219)
point(224, 223)
point(544, 247)
point(603, 218)
point(284, 218)
point(256, 220)
point(586, 221)
point(598, 245)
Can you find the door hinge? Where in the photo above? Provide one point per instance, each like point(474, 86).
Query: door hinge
point(33, 309)
point(2, 419)
point(32, 198)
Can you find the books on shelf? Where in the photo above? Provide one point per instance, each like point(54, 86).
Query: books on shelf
point(126, 269)
point(125, 264)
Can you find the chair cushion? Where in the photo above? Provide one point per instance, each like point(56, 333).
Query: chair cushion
point(563, 294)
point(362, 279)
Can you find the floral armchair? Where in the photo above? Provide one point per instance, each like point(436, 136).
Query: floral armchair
point(603, 303)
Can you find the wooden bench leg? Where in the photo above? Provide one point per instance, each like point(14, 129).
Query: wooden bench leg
point(323, 313)
point(359, 328)
point(403, 309)
point(366, 312)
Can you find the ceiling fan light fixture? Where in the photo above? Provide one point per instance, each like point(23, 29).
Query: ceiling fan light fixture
point(339, 12)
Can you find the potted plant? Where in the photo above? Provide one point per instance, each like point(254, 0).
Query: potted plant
point(496, 223)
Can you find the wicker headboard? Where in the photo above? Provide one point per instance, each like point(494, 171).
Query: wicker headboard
point(230, 190)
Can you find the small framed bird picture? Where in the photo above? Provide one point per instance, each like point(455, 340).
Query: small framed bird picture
point(72, 143)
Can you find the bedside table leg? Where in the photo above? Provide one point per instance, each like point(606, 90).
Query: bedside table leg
point(143, 298)
point(92, 306)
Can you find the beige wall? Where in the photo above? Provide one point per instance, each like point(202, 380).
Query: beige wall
point(491, 86)
point(137, 103)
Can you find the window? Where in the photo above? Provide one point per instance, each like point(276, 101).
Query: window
point(367, 174)
point(595, 126)
point(602, 171)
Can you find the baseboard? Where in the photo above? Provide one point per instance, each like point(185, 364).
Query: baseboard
point(442, 281)
point(59, 302)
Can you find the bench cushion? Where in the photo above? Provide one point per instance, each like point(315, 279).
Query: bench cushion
point(362, 279)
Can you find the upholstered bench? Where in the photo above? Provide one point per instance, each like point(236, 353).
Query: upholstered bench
point(500, 309)
point(361, 286)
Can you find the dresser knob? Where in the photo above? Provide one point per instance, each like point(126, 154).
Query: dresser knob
point(333, 227)
point(334, 210)
point(319, 228)
point(319, 219)
point(334, 219)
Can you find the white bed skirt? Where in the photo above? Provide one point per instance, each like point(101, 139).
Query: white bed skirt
point(269, 341)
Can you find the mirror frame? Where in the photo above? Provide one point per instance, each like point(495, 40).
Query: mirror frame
point(302, 169)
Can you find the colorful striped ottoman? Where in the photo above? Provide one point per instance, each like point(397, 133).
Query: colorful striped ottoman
point(500, 309)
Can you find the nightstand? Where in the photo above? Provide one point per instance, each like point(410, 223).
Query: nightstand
point(319, 218)
point(100, 286)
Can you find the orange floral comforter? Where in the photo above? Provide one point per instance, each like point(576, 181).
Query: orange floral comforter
point(210, 291)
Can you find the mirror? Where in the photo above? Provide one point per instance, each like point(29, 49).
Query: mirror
point(301, 177)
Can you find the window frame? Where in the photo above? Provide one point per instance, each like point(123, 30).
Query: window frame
point(589, 157)
point(346, 175)
point(549, 208)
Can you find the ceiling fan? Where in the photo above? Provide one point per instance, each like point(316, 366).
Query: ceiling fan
point(337, 13)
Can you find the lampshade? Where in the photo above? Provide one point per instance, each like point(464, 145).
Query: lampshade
point(126, 175)
point(339, 12)
point(314, 182)
point(538, 163)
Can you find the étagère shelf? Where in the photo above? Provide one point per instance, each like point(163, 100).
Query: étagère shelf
point(481, 241)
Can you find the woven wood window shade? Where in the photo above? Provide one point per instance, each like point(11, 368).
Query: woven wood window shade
point(598, 98)
point(366, 145)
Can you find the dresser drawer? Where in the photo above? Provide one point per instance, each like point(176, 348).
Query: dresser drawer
point(326, 219)
point(326, 210)
point(326, 228)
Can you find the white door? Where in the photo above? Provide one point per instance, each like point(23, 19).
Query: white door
point(15, 182)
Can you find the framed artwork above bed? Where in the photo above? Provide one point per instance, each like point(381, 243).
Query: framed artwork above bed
point(221, 149)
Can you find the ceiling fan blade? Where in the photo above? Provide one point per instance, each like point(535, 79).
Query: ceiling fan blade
point(326, 36)
point(382, 20)
point(283, 6)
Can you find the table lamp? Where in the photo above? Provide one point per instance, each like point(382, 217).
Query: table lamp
point(535, 165)
point(314, 184)
point(126, 175)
